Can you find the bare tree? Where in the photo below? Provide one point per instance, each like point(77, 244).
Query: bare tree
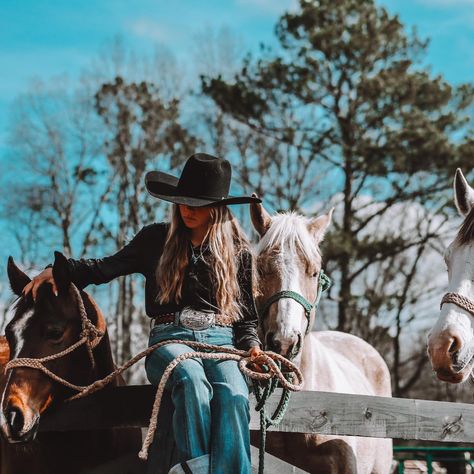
point(51, 179)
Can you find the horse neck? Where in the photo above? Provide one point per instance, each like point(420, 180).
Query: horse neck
point(317, 366)
point(310, 362)
point(462, 271)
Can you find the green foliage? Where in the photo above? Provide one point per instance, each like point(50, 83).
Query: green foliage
point(348, 92)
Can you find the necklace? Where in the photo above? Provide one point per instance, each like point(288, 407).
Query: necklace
point(194, 256)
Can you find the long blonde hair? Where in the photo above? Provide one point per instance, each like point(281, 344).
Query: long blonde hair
point(226, 242)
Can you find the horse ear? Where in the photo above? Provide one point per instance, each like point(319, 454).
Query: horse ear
point(463, 194)
point(318, 225)
point(61, 273)
point(261, 220)
point(18, 279)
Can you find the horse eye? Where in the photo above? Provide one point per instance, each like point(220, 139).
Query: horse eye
point(54, 334)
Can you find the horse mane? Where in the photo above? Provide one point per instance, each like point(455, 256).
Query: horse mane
point(24, 303)
point(466, 231)
point(289, 230)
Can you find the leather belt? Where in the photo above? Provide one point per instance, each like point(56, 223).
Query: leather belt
point(192, 319)
point(163, 319)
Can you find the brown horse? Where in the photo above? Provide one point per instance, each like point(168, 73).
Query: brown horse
point(289, 264)
point(41, 328)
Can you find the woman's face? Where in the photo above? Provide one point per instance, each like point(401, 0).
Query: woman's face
point(195, 217)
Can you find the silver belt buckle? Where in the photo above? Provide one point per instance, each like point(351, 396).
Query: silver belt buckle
point(196, 320)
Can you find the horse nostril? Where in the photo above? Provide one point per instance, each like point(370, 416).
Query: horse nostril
point(295, 347)
point(15, 420)
point(272, 343)
point(455, 345)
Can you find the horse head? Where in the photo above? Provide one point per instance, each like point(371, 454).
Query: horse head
point(451, 340)
point(289, 267)
point(42, 328)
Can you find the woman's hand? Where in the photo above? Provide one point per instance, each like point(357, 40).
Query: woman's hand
point(254, 353)
point(45, 276)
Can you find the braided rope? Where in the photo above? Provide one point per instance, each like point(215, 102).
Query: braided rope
point(459, 300)
point(38, 364)
point(90, 336)
point(270, 359)
point(262, 394)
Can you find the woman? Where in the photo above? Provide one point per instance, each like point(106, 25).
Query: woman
point(198, 271)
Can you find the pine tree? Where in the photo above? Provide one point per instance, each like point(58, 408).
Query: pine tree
point(348, 92)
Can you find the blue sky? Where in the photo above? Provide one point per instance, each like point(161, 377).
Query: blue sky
point(45, 38)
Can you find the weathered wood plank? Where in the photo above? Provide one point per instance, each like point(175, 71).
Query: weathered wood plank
point(309, 412)
point(273, 464)
point(377, 417)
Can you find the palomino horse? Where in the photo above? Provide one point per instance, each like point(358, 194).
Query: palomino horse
point(289, 264)
point(43, 328)
point(451, 341)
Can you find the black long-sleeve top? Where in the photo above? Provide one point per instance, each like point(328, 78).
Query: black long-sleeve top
point(141, 255)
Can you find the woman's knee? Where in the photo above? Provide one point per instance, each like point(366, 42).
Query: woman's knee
point(190, 380)
point(156, 363)
point(230, 394)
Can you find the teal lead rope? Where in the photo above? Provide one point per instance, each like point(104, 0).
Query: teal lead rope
point(262, 394)
point(264, 389)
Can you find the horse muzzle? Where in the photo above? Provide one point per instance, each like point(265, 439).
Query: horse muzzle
point(451, 357)
point(19, 424)
point(288, 347)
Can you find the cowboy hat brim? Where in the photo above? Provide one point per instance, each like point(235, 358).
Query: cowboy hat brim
point(165, 186)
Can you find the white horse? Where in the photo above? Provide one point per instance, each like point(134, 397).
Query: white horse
point(289, 261)
point(451, 341)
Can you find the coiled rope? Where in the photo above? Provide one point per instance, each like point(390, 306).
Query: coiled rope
point(264, 383)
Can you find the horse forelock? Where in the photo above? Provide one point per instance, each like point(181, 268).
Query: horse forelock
point(24, 311)
point(466, 231)
point(289, 233)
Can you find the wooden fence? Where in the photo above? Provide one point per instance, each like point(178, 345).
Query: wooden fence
point(308, 412)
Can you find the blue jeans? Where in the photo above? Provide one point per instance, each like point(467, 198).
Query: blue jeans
point(210, 398)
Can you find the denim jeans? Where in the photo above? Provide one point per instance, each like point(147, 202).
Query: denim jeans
point(210, 398)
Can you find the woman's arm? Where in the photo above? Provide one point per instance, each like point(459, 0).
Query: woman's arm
point(245, 330)
point(129, 259)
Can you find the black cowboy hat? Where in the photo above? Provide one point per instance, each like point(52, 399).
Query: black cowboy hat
point(205, 181)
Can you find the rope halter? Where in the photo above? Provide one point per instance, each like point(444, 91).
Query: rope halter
point(324, 283)
point(459, 300)
point(90, 336)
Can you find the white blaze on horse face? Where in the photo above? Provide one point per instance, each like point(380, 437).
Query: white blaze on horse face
point(18, 328)
point(291, 319)
point(454, 325)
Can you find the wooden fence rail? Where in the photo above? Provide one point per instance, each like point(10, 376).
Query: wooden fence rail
point(308, 412)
